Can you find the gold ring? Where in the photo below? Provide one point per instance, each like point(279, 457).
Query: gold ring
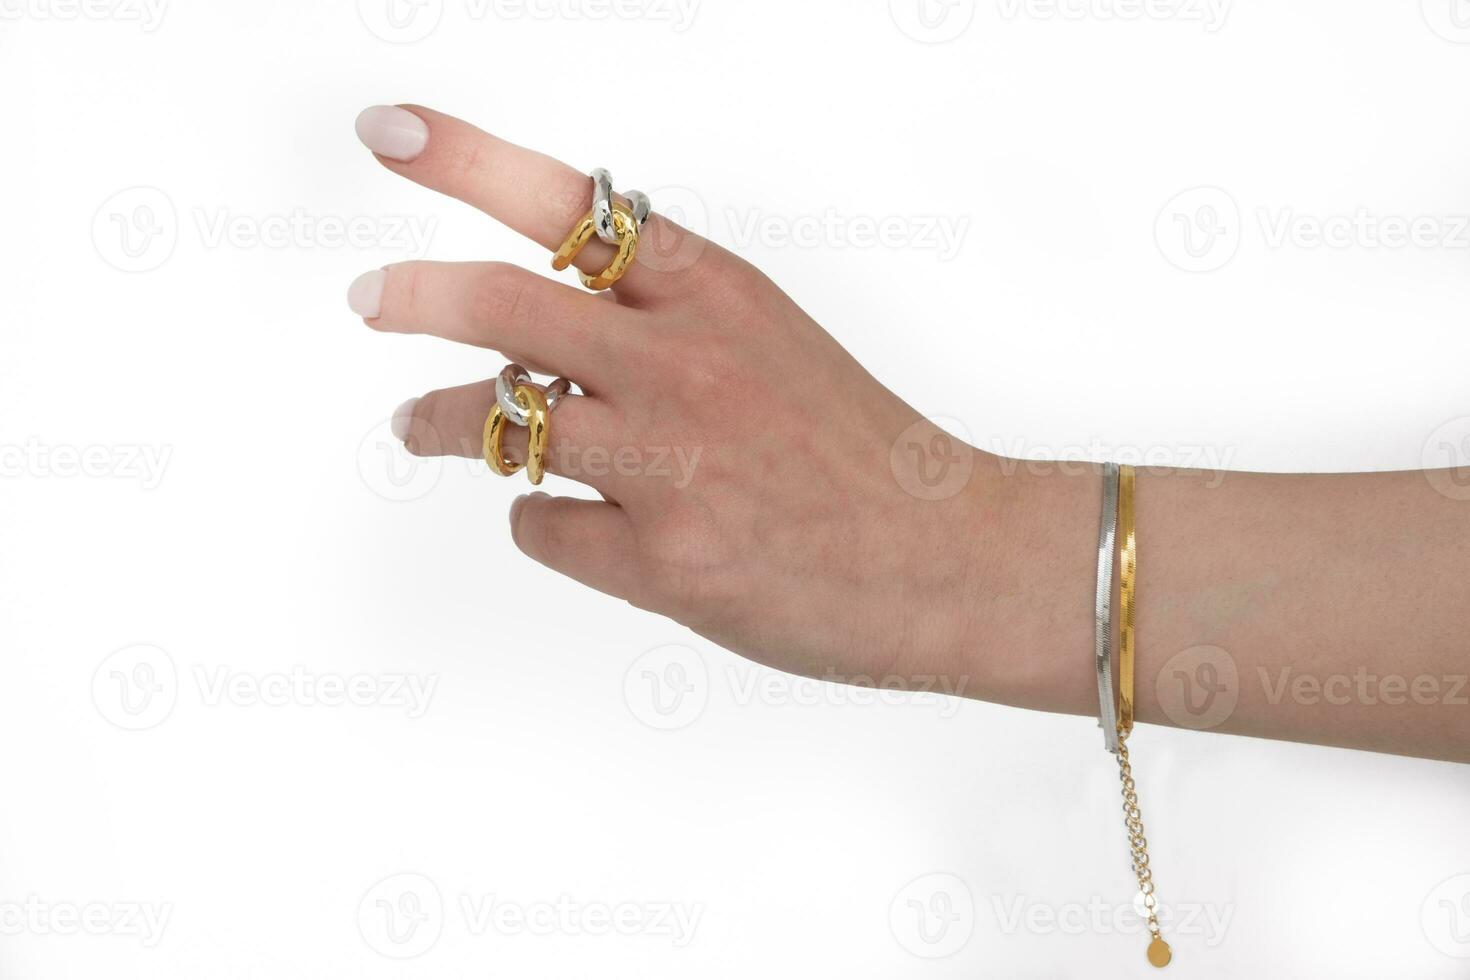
point(538, 424)
point(626, 227)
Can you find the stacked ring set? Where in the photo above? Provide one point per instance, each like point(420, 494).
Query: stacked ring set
point(519, 400)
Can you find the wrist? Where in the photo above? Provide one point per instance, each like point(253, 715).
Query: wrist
point(1025, 623)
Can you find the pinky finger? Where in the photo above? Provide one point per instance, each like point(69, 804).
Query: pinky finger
point(587, 540)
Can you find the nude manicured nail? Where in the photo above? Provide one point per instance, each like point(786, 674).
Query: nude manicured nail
point(365, 295)
point(403, 419)
point(392, 132)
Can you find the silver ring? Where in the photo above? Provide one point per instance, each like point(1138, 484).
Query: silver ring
point(602, 212)
point(1102, 657)
point(505, 391)
point(602, 209)
point(641, 205)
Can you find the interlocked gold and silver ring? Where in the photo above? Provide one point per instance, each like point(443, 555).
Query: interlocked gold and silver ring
point(615, 223)
point(518, 401)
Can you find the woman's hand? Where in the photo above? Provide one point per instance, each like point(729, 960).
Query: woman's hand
point(762, 488)
point(759, 485)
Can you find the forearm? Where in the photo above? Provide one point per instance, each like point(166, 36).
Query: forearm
point(1315, 608)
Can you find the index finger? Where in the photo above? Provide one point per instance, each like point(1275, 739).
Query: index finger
point(529, 192)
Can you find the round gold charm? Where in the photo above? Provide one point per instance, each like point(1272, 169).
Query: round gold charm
point(1158, 952)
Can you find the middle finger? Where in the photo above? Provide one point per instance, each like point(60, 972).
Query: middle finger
point(503, 307)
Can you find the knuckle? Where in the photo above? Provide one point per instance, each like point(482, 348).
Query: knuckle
point(729, 287)
point(701, 368)
point(690, 567)
point(568, 197)
point(503, 295)
point(471, 163)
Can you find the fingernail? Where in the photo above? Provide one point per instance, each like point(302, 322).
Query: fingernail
point(365, 295)
point(403, 419)
point(392, 132)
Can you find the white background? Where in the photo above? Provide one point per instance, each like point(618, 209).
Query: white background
point(269, 534)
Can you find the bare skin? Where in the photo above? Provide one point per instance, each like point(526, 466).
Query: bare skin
point(792, 518)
